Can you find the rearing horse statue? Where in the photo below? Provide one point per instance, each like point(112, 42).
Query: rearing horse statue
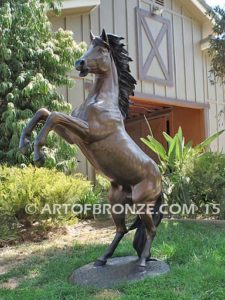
point(97, 127)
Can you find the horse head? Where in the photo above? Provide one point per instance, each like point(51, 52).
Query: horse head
point(97, 58)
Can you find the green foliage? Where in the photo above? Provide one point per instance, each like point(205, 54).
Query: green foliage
point(188, 171)
point(217, 43)
point(99, 195)
point(102, 184)
point(102, 187)
point(8, 231)
point(34, 61)
point(40, 189)
point(207, 181)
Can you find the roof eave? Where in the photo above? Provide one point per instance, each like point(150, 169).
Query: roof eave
point(77, 6)
point(203, 8)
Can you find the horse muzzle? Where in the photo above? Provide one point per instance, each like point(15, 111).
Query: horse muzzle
point(81, 66)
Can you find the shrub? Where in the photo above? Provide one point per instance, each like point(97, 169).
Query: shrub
point(102, 185)
point(40, 188)
point(207, 181)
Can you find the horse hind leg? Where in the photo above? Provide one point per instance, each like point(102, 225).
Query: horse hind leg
point(150, 234)
point(157, 213)
point(117, 195)
point(140, 237)
point(144, 193)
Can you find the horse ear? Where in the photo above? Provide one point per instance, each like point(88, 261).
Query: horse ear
point(104, 36)
point(92, 35)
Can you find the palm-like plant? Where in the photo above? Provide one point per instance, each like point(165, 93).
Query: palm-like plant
point(176, 161)
point(177, 152)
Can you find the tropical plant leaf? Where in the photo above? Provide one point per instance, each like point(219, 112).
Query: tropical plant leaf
point(180, 134)
point(155, 146)
point(168, 138)
point(172, 146)
point(208, 141)
point(179, 148)
point(189, 144)
point(172, 152)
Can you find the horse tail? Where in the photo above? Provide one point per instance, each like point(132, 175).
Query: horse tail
point(140, 236)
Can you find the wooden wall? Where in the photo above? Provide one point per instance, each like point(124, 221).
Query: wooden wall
point(190, 64)
point(80, 26)
point(192, 123)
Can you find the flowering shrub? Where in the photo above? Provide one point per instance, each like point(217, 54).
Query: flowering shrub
point(34, 61)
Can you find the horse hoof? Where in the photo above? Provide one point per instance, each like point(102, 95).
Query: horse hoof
point(99, 263)
point(24, 148)
point(141, 269)
point(40, 161)
point(142, 265)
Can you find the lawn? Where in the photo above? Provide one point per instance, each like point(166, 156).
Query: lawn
point(195, 252)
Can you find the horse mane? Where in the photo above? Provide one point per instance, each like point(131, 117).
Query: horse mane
point(126, 80)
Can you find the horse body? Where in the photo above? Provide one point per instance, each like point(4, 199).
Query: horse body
point(97, 127)
point(134, 163)
point(108, 142)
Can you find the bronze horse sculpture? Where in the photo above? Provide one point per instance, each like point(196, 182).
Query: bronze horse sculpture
point(97, 127)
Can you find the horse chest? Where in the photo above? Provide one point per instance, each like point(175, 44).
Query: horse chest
point(96, 116)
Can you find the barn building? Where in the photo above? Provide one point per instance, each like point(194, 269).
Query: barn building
point(168, 41)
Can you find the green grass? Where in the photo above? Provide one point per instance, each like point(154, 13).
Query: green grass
point(195, 252)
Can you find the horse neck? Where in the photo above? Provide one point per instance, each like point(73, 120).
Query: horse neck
point(106, 87)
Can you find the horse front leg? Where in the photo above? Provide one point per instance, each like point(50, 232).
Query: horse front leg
point(41, 115)
point(117, 195)
point(70, 127)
